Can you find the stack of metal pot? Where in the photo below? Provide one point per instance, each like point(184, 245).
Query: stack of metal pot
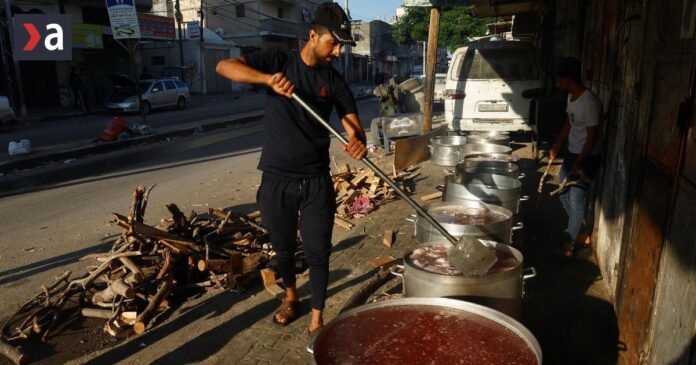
point(481, 199)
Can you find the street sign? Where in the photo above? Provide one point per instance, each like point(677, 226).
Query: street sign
point(429, 3)
point(194, 29)
point(123, 18)
point(42, 37)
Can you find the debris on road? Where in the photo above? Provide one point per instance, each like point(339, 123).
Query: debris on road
point(131, 285)
point(388, 239)
point(431, 196)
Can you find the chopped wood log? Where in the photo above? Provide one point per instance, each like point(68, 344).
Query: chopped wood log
point(97, 313)
point(382, 261)
point(13, 353)
point(388, 239)
point(254, 215)
point(431, 196)
point(122, 289)
point(254, 261)
point(268, 277)
point(129, 317)
point(144, 317)
point(232, 265)
point(343, 223)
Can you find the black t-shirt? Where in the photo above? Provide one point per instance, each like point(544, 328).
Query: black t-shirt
point(295, 144)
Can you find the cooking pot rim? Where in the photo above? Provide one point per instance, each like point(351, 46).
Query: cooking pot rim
point(496, 316)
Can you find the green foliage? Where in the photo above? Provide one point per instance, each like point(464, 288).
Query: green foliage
point(456, 26)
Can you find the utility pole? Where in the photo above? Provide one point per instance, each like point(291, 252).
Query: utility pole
point(179, 19)
point(204, 82)
point(346, 62)
point(430, 64)
point(425, 46)
point(15, 63)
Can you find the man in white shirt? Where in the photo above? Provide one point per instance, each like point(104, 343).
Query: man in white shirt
point(581, 159)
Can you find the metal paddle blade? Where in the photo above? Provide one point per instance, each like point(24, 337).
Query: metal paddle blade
point(471, 256)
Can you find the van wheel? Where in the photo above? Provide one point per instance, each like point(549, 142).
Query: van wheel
point(147, 108)
point(181, 103)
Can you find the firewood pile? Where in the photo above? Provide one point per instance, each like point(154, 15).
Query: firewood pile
point(132, 284)
point(360, 191)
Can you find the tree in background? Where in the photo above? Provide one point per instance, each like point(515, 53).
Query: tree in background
point(456, 26)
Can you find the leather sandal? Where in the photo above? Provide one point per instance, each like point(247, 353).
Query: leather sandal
point(584, 240)
point(286, 313)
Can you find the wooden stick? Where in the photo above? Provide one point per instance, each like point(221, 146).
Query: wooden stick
point(144, 317)
point(97, 313)
point(12, 353)
point(431, 196)
point(135, 269)
point(233, 265)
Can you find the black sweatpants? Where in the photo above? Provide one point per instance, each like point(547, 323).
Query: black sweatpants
point(280, 199)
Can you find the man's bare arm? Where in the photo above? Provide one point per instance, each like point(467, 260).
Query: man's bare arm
point(357, 139)
point(237, 70)
point(561, 138)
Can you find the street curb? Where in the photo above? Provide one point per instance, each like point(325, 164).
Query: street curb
point(105, 147)
point(59, 174)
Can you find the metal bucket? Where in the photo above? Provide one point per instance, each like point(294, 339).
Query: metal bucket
point(357, 336)
point(502, 291)
point(499, 229)
point(500, 190)
point(446, 150)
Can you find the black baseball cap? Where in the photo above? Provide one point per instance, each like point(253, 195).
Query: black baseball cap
point(332, 16)
point(568, 67)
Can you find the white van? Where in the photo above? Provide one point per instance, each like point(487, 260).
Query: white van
point(484, 86)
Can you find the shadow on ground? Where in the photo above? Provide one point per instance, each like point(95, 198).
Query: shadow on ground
point(561, 306)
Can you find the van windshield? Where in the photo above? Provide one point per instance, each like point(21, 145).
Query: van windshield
point(506, 64)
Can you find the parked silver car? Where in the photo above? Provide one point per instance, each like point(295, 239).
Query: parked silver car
point(6, 113)
point(156, 93)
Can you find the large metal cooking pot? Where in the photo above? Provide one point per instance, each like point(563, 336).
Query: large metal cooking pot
point(399, 331)
point(499, 228)
point(446, 150)
point(502, 291)
point(472, 167)
point(500, 190)
point(490, 157)
point(494, 137)
point(475, 148)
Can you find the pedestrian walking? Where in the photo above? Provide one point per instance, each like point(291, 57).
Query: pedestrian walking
point(295, 156)
point(582, 155)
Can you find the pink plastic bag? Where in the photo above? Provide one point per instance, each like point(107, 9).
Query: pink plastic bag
point(363, 205)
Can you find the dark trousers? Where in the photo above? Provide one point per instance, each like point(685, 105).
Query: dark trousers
point(280, 200)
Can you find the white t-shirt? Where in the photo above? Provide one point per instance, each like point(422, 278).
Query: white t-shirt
point(584, 112)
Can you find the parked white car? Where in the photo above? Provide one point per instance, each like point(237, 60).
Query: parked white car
point(484, 86)
point(6, 113)
point(156, 93)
